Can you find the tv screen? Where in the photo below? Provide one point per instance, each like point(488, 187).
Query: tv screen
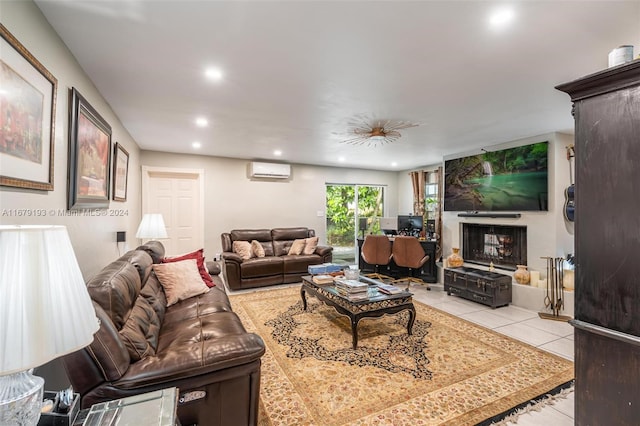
point(513, 179)
point(409, 223)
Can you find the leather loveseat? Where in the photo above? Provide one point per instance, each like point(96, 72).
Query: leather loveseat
point(277, 266)
point(198, 345)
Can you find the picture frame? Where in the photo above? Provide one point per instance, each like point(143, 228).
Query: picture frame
point(89, 156)
point(27, 117)
point(120, 172)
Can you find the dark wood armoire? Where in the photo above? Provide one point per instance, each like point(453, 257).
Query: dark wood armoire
point(606, 108)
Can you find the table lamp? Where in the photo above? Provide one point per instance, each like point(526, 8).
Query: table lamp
point(152, 227)
point(45, 313)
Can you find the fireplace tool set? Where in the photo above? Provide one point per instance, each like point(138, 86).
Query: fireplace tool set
point(554, 296)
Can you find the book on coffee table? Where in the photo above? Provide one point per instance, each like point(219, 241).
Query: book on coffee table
point(322, 279)
point(389, 289)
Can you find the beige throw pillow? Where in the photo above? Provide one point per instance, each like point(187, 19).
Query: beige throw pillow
point(180, 280)
point(310, 245)
point(243, 249)
point(296, 247)
point(256, 248)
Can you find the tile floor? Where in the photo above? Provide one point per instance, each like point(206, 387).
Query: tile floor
point(521, 324)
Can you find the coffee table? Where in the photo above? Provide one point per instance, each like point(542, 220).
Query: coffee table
point(377, 303)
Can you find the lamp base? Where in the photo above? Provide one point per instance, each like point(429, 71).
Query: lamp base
point(20, 398)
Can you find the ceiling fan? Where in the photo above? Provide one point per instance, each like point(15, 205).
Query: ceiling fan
point(375, 132)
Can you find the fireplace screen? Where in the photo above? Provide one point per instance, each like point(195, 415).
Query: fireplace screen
point(504, 246)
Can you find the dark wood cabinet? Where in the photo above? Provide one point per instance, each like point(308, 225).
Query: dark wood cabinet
point(486, 287)
point(428, 273)
point(606, 108)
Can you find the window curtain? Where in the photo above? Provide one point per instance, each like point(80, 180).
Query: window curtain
point(418, 180)
point(438, 181)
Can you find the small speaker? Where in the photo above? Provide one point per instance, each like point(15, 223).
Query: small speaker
point(363, 224)
point(121, 237)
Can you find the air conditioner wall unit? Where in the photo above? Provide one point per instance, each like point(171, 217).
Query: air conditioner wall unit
point(269, 170)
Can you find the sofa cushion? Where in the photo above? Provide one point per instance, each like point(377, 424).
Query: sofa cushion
point(180, 280)
point(257, 249)
point(154, 295)
point(261, 266)
point(199, 256)
point(283, 239)
point(155, 249)
point(140, 331)
point(296, 247)
point(310, 245)
point(243, 249)
point(299, 264)
point(115, 289)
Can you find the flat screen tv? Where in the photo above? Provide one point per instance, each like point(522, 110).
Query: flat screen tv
point(513, 179)
point(409, 223)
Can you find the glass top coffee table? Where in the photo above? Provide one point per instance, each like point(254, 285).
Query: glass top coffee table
point(376, 303)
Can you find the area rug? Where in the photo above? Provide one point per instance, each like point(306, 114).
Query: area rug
point(449, 371)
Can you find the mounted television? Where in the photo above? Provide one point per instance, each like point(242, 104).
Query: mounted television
point(513, 179)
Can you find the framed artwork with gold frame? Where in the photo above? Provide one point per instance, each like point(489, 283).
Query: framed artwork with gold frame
point(27, 117)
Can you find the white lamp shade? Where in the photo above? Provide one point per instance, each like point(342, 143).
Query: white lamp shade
point(152, 226)
point(45, 309)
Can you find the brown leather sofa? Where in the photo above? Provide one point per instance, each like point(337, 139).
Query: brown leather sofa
point(277, 266)
point(198, 345)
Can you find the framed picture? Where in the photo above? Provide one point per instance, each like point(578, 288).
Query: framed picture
point(89, 156)
point(27, 117)
point(120, 172)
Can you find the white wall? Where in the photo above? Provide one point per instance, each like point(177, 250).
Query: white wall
point(94, 238)
point(234, 201)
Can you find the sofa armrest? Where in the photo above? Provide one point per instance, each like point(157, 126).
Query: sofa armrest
point(229, 256)
point(180, 363)
point(323, 250)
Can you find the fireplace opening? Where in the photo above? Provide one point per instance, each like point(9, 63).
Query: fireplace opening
point(504, 246)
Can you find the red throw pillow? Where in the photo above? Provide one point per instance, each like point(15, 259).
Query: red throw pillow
point(198, 255)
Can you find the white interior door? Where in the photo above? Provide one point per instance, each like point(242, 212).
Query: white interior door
point(177, 194)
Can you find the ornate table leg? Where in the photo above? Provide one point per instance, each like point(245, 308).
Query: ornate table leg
point(412, 318)
point(354, 332)
point(304, 298)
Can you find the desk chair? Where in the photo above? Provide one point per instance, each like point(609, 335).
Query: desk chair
point(408, 253)
point(376, 250)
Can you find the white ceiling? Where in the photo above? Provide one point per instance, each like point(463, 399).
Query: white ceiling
point(296, 72)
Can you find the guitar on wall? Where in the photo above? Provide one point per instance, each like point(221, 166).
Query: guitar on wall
point(569, 193)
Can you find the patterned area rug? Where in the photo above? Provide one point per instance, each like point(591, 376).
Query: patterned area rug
point(449, 371)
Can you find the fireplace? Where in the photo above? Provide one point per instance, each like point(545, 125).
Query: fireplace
point(504, 246)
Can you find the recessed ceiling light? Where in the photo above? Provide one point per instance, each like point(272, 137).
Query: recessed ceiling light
point(202, 122)
point(341, 159)
point(394, 164)
point(213, 74)
point(196, 145)
point(501, 17)
point(277, 153)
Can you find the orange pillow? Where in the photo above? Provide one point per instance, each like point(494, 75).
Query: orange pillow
point(310, 245)
point(199, 256)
